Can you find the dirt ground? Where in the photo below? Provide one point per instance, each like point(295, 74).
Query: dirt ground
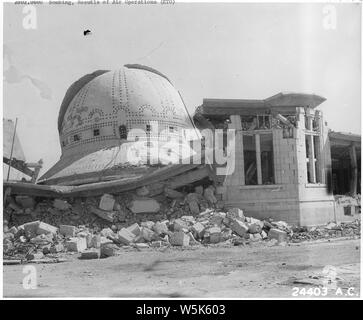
point(252, 271)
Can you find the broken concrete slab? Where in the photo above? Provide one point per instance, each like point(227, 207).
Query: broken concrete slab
point(107, 202)
point(44, 228)
point(145, 205)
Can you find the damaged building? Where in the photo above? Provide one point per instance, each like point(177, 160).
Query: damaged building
point(282, 158)
point(284, 165)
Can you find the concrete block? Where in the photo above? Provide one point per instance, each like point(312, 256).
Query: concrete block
point(76, 244)
point(145, 205)
point(107, 232)
point(67, 230)
point(179, 239)
point(192, 240)
point(199, 190)
point(44, 228)
point(56, 248)
point(147, 234)
point(147, 224)
point(239, 227)
point(125, 236)
point(216, 219)
point(143, 191)
point(109, 250)
point(279, 235)
point(90, 254)
point(209, 195)
point(179, 225)
point(173, 194)
point(160, 228)
point(135, 229)
point(235, 213)
point(105, 215)
point(35, 255)
point(194, 207)
point(107, 202)
point(30, 228)
point(198, 230)
point(254, 228)
point(94, 241)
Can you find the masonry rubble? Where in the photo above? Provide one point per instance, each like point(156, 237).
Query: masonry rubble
point(102, 227)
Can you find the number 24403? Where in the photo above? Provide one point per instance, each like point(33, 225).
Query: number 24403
point(318, 292)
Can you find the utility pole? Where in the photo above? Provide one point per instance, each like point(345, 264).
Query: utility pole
point(12, 148)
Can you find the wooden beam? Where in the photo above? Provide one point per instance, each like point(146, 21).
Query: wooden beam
point(18, 165)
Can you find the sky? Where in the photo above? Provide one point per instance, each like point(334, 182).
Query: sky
point(240, 50)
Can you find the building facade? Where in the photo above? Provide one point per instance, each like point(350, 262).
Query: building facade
point(282, 156)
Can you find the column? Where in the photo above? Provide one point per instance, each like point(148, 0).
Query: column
point(258, 159)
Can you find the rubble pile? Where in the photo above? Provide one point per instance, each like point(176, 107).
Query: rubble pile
point(100, 227)
point(330, 230)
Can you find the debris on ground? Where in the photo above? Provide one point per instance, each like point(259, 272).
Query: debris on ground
point(37, 229)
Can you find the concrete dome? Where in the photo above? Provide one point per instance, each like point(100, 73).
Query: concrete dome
point(99, 110)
